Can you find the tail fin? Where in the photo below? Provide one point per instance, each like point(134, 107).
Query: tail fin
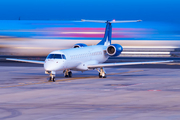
point(107, 36)
point(108, 32)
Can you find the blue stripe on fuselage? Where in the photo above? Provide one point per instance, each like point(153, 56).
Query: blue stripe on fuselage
point(107, 35)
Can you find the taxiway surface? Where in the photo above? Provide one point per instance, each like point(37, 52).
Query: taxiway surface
point(126, 94)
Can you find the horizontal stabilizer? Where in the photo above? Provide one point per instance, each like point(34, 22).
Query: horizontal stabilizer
point(28, 61)
point(112, 21)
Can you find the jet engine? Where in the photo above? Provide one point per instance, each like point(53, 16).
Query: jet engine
point(79, 45)
point(114, 50)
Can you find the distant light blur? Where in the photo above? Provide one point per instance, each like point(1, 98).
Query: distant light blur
point(38, 38)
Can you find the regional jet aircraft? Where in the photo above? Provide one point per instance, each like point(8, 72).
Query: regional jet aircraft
point(82, 57)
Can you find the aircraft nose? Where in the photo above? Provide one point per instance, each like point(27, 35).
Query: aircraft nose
point(52, 65)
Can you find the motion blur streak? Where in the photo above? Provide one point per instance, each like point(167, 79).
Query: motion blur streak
point(38, 38)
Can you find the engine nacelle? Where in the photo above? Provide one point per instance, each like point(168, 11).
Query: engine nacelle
point(79, 45)
point(114, 50)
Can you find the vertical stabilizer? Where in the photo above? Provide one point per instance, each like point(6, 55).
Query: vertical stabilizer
point(106, 41)
point(107, 36)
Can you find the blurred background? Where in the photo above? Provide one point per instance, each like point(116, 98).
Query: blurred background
point(35, 28)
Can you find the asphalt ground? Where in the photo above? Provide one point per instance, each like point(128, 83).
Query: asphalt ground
point(130, 92)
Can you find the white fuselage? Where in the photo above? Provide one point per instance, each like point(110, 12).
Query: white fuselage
point(76, 58)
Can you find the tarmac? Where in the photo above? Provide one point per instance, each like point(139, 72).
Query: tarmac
point(140, 93)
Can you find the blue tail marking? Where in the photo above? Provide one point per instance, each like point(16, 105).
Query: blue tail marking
point(107, 36)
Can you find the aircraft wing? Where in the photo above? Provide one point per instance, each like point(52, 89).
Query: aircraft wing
point(125, 63)
point(28, 61)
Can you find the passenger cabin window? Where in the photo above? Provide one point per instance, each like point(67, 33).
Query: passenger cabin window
point(56, 56)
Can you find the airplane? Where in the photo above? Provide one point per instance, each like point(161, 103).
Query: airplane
point(82, 57)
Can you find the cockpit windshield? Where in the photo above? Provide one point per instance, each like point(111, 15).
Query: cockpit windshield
point(56, 56)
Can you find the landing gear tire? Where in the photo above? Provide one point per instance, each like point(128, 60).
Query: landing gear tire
point(104, 76)
point(70, 74)
point(53, 79)
point(100, 76)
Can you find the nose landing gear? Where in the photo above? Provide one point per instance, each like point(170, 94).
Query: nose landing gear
point(52, 78)
point(51, 74)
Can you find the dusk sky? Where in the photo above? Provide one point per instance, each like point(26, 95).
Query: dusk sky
point(147, 10)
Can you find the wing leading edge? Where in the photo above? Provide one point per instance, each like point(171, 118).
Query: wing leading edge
point(125, 63)
point(28, 61)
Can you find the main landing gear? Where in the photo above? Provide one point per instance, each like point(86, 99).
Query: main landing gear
point(102, 73)
point(67, 73)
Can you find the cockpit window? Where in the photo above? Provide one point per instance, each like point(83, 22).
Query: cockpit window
point(63, 56)
point(56, 56)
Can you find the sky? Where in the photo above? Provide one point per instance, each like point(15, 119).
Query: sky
point(146, 10)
